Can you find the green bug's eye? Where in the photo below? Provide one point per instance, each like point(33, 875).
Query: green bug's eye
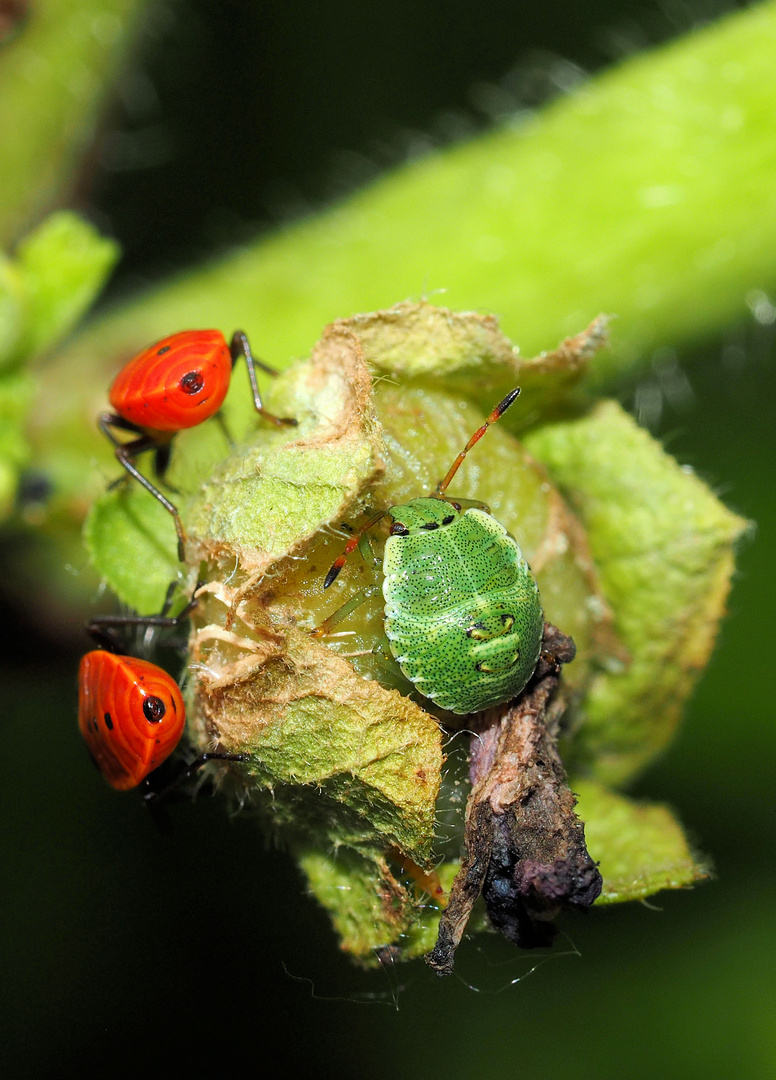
point(398, 529)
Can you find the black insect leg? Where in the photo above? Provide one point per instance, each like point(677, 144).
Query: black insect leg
point(162, 454)
point(150, 798)
point(125, 452)
point(219, 417)
point(240, 346)
point(101, 626)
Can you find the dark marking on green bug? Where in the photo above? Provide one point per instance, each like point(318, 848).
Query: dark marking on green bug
point(463, 615)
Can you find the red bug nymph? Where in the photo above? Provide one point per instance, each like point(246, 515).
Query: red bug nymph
point(175, 384)
point(130, 713)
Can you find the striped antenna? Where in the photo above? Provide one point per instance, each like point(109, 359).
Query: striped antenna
point(351, 545)
point(439, 491)
point(497, 413)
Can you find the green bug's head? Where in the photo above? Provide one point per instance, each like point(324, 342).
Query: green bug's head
point(422, 515)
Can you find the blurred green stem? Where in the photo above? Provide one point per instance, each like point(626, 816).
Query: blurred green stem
point(647, 193)
point(54, 75)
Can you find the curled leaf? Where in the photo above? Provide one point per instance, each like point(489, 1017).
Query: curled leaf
point(417, 341)
point(269, 500)
point(663, 546)
point(352, 765)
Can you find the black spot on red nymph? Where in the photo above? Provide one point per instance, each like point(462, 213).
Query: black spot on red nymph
point(154, 709)
point(192, 382)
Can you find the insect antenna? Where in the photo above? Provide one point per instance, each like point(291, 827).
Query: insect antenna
point(495, 415)
point(351, 545)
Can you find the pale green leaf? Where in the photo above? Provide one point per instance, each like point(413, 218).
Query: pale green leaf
point(641, 847)
point(663, 546)
point(62, 266)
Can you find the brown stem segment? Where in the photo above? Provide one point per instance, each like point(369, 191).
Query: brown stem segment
point(524, 846)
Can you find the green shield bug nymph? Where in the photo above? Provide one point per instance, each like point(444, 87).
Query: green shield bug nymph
point(462, 611)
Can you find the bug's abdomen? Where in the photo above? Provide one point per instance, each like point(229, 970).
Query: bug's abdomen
point(130, 713)
point(463, 614)
point(176, 383)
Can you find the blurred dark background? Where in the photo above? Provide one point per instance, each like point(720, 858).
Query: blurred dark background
point(127, 951)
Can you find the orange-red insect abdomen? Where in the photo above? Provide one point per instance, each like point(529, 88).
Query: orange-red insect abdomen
point(176, 383)
point(131, 714)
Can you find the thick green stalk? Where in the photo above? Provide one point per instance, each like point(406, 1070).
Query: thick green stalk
point(647, 193)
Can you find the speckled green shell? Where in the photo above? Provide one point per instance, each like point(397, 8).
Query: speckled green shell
point(462, 609)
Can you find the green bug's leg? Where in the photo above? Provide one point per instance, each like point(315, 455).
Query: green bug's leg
point(382, 667)
point(347, 608)
point(367, 553)
point(352, 544)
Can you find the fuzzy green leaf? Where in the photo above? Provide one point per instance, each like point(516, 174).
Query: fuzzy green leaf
point(62, 266)
point(324, 740)
point(641, 847)
point(332, 756)
point(372, 905)
point(663, 547)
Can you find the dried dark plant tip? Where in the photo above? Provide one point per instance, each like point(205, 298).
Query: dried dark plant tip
point(524, 845)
